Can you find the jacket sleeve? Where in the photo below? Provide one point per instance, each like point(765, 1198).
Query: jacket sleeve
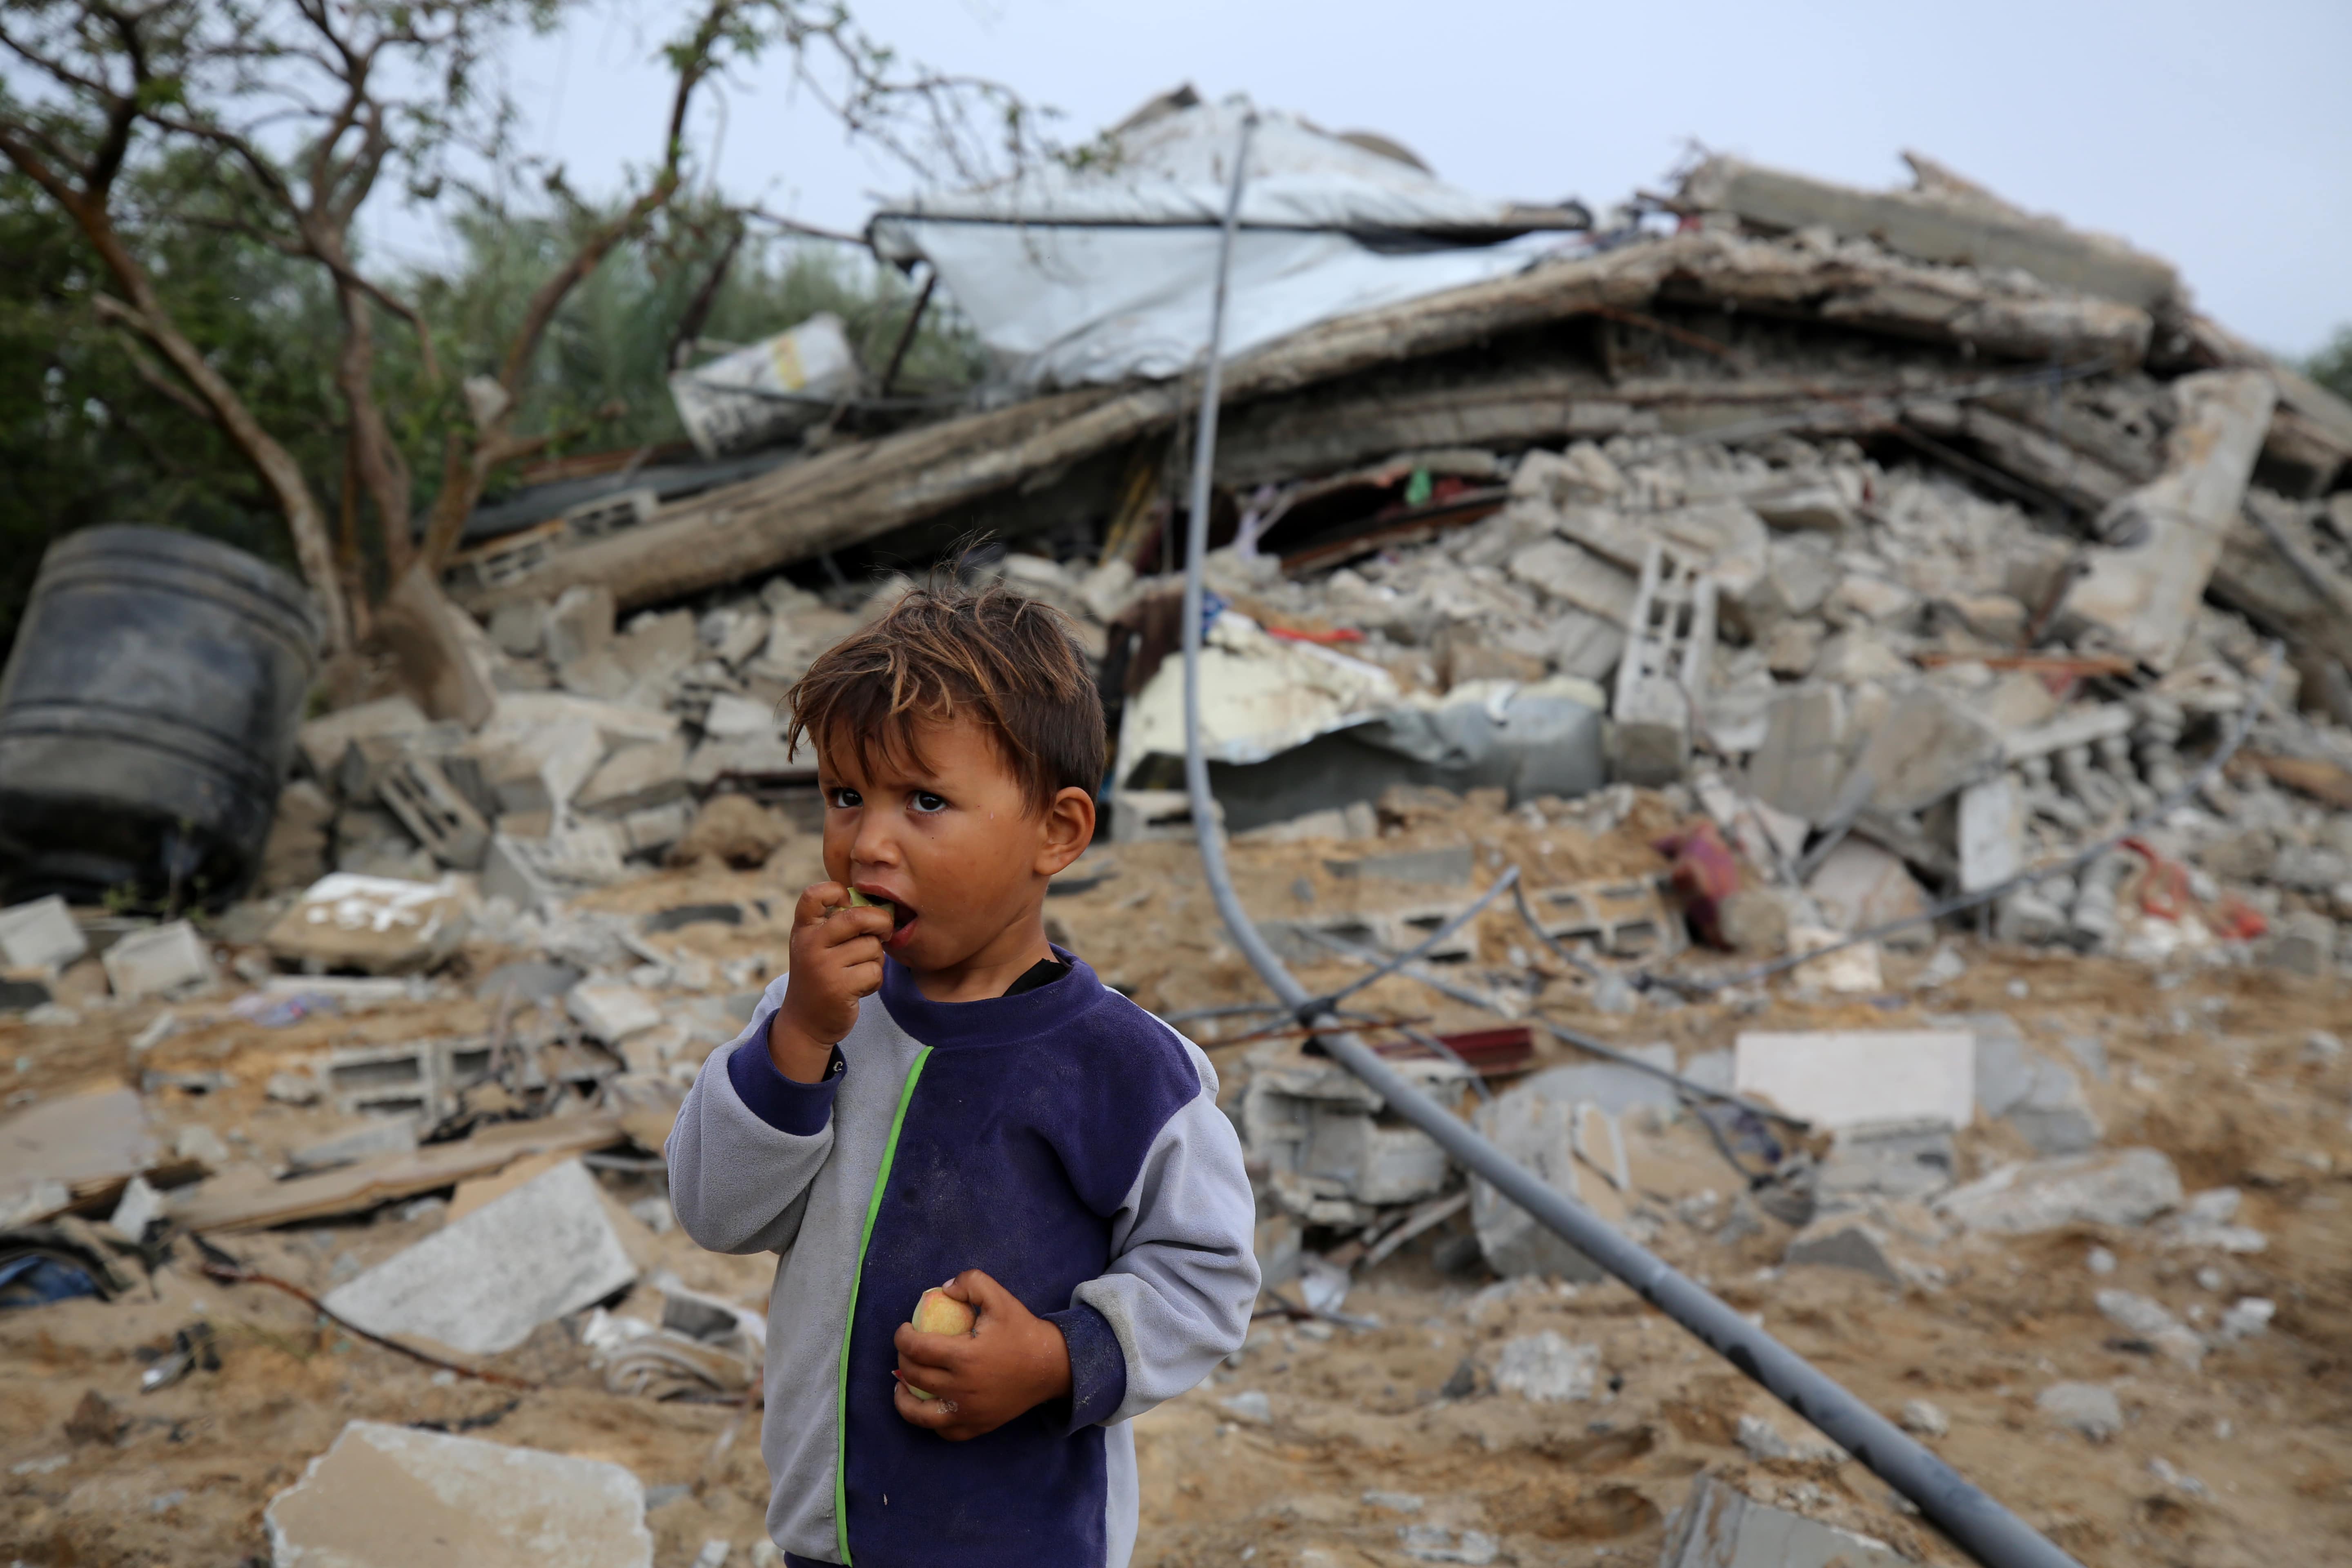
point(748, 1142)
point(1183, 1276)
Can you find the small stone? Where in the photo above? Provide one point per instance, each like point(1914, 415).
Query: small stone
point(1925, 1418)
point(293, 1088)
point(1436, 1543)
point(2321, 1048)
point(2083, 1407)
point(2247, 1317)
point(2151, 1320)
point(1396, 1502)
point(1544, 1369)
point(2100, 1261)
point(1250, 1404)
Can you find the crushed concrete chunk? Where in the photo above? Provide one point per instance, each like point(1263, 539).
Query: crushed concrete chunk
point(1844, 1077)
point(40, 935)
point(1844, 1241)
point(395, 1497)
point(159, 962)
point(1804, 760)
point(1925, 1417)
point(2142, 588)
point(612, 1012)
point(1722, 1527)
point(378, 925)
point(2085, 1407)
point(2125, 1187)
point(2153, 1321)
point(481, 1284)
point(1928, 747)
point(1544, 1369)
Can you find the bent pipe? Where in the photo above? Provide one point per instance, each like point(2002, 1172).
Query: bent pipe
point(1979, 1525)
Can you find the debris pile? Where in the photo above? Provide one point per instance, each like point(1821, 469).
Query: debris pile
point(1623, 673)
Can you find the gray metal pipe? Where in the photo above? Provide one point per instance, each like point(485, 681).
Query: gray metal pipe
point(1980, 1526)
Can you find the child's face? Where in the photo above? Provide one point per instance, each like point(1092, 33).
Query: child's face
point(954, 844)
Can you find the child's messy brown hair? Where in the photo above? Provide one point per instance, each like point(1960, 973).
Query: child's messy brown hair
point(947, 651)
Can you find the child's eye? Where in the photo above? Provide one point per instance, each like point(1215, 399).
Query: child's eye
point(925, 802)
point(842, 798)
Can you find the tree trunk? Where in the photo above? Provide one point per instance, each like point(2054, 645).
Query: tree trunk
point(382, 473)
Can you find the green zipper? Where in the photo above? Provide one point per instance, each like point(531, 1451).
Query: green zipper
point(865, 1239)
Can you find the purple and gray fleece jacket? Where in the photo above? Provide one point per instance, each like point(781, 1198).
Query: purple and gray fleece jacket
point(1061, 1138)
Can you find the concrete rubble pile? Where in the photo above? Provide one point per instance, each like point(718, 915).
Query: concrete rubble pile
point(1745, 589)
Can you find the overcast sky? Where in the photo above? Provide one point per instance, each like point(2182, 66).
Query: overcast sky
point(2215, 135)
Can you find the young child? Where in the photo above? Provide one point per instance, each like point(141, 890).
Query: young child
point(933, 1093)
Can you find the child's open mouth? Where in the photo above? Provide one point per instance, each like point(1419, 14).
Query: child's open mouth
point(902, 920)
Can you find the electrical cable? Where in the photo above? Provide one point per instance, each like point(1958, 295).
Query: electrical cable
point(1317, 1005)
point(1980, 1526)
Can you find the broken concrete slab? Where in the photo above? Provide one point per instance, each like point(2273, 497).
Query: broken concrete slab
point(2038, 1095)
point(2085, 1407)
point(2304, 943)
point(732, 718)
point(376, 1135)
point(2141, 589)
point(430, 807)
point(2123, 1187)
point(537, 874)
point(40, 935)
point(1898, 1160)
point(158, 962)
point(397, 1496)
point(1929, 746)
point(1984, 232)
point(1446, 866)
point(1846, 1241)
point(377, 925)
point(1803, 758)
point(1846, 1078)
point(1544, 1369)
point(1723, 1527)
point(481, 1284)
point(1992, 833)
point(2150, 1320)
point(70, 1148)
point(635, 778)
point(1859, 886)
point(325, 740)
point(610, 1012)
point(580, 623)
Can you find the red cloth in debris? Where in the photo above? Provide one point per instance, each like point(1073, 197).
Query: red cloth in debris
point(1704, 872)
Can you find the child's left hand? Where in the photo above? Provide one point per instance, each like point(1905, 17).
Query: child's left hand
point(1012, 1361)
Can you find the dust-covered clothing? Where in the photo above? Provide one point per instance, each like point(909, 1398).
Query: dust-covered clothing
point(1059, 1138)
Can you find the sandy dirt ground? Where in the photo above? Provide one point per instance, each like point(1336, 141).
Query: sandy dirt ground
point(1368, 1441)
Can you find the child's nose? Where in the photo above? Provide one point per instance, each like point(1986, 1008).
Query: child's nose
point(876, 844)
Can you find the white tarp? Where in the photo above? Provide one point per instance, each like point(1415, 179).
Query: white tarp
point(1260, 695)
point(748, 398)
point(1104, 271)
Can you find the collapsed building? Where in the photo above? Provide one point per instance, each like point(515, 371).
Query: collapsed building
point(1826, 600)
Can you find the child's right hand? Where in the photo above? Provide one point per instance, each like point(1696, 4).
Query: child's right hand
point(836, 962)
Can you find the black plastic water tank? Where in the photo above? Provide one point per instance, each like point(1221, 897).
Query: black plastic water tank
point(147, 717)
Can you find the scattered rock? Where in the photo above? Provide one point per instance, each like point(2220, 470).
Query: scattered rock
point(2152, 1321)
point(2085, 1407)
point(1925, 1418)
point(1544, 1369)
point(734, 829)
point(2125, 1187)
point(395, 1497)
